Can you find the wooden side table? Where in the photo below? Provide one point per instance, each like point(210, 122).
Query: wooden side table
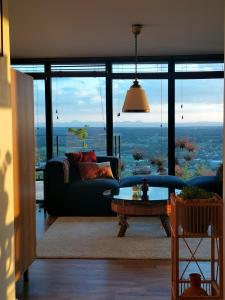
point(195, 224)
point(126, 203)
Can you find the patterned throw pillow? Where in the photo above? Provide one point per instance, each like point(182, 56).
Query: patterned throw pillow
point(75, 157)
point(92, 170)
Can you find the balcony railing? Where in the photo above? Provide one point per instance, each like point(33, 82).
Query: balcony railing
point(153, 159)
point(68, 143)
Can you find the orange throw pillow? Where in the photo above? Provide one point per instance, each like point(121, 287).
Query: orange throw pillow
point(92, 170)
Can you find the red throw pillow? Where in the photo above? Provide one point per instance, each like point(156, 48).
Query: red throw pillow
point(89, 156)
point(74, 157)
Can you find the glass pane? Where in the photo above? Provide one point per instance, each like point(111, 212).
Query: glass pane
point(199, 126)
point(39, 121)
point(141, 68)
point(199, 67)
point(141, 138)
point(40, 136)
point(29, 68)
point(78, 103)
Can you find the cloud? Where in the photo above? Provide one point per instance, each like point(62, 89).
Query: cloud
point(83, 97)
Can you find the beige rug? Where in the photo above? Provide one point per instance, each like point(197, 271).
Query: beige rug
point(96, 237)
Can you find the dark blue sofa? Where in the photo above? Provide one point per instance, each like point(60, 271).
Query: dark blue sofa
point(66, 194)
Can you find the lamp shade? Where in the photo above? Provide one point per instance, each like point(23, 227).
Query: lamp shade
point(136, 100)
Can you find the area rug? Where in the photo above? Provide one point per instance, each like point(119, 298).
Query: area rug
point(96, 237)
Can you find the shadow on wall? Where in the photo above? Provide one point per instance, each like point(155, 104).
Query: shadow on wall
point(6, 238)
point(5, 99)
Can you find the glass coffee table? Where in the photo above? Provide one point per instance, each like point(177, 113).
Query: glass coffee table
point(129, 201)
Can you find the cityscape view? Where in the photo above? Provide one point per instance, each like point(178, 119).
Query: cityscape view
point(140, 140)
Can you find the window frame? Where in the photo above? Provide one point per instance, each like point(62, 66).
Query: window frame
point(171, 76)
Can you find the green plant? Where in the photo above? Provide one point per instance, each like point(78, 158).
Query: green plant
point(159, 164)
point(81, 133)
point(193, 192)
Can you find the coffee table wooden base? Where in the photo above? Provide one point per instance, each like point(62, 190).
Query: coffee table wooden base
point(127, 209)
point(123, 225)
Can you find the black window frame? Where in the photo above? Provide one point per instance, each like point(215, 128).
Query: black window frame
point(171, 76)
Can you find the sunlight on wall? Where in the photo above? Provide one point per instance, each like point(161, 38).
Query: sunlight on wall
point(6, 199)
point(7, 285)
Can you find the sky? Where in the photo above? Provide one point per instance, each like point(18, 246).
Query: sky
point(83, 99)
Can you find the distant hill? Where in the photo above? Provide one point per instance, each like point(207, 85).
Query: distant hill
point(76, 123)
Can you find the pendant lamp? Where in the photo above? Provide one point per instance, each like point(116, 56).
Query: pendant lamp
point(136, 100)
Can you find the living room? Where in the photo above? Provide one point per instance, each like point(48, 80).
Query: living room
point(82, 61)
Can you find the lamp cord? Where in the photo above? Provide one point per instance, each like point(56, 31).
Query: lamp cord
point(161, 124)
point(136, 59)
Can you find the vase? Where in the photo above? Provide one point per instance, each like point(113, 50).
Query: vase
point(195, 286)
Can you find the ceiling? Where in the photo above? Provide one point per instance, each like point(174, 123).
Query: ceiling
point(95, 28)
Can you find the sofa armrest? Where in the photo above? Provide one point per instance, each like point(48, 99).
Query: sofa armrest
point(114, 162)
point(56, 177)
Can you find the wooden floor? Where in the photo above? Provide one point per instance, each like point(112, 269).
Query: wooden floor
point(84, 279)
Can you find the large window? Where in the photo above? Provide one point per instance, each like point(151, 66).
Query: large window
point(78, 106)
point(186, 141)
point(199, 126)
point(142, 137)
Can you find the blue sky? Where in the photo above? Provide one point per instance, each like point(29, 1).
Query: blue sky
point(83, 99)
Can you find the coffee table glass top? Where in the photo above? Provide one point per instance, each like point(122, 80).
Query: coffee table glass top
point(134, 193)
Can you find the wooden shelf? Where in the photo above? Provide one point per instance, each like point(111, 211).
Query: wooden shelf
point(192, 222)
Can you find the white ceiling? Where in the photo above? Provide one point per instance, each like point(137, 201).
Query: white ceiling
point(94, 28)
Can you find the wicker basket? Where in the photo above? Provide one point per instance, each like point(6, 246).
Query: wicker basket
point(197, 216)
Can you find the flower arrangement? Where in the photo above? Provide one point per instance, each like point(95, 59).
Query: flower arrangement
point(186, 151)
point(159, 164)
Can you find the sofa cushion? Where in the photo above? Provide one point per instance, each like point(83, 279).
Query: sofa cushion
point(209, 183)
point(99, 185)
point(169, 181)
point(92, 170)
point(85, 197)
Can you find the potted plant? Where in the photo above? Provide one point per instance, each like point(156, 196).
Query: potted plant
point(81, 133)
